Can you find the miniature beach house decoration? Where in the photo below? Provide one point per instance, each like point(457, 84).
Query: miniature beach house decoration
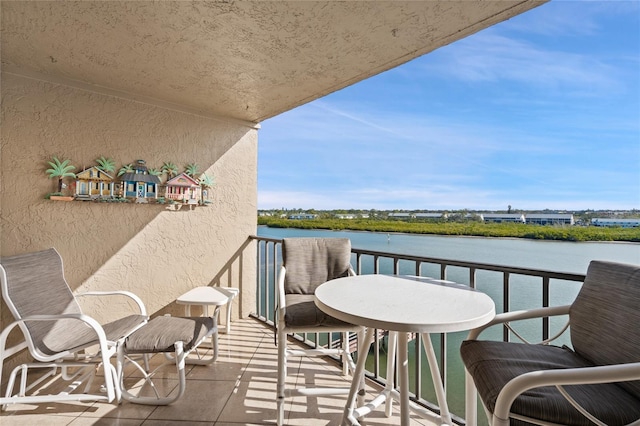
point(137, 182)
point(93, 183)
point(134, 182)
point(183, 188)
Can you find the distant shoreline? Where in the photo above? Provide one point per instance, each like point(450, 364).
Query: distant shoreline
point(454, 236)
point(468, 229)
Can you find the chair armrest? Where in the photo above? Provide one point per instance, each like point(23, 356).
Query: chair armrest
point(559, 377)
point(520, 315)
point(133, 296)
point(91, 322)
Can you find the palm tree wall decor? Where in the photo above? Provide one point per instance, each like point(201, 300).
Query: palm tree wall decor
point(60, 169)
point(206, 182)
point(107, 165)
point(192, 169)
point(126, 169)
point(170, 169)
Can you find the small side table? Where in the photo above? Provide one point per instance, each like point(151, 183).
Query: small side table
point(210, 296)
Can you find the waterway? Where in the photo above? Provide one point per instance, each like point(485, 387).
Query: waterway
point(559, 256)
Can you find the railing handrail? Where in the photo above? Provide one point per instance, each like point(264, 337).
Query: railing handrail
point(473, 265)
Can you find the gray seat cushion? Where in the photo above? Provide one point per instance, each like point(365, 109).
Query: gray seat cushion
point(161, 333)
point(81, 335)
point(303, 312)
point(493, 364)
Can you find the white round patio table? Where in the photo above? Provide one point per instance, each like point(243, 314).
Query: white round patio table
point(402, 304)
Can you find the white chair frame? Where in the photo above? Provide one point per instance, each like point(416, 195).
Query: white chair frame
point(86, 363)
point(558, 378)
point(348, 365)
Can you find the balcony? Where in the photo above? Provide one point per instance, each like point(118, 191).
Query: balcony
point(240, 387)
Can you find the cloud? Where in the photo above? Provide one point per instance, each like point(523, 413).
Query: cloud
point(491, 57)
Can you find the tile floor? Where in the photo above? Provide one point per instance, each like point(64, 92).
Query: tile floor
point(238, 389)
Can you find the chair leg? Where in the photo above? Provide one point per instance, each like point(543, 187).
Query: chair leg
point(280, 419)
point(361, 390)
point(180, 365)
point(346, 353)
point(471, 398)
point(178, 359)
point(116, 384)
point(282, 376)
point(110, 377)
point(391, 367)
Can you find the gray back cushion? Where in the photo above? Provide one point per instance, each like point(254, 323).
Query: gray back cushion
point(310, 262)
point(605, 317)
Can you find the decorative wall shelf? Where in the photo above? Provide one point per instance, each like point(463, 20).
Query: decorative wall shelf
point(135, 184)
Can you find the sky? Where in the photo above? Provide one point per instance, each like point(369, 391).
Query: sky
point(538, 112)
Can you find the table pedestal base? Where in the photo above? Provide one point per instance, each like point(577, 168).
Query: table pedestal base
point(398, 344)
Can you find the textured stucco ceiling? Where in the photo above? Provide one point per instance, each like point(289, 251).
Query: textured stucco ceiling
point(246, 60)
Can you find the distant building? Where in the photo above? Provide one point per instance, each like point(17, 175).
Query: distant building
point(623, 223)
point(346, 216)
point(503, 217)
point(352, 216)
point(549, 218)
point(302, 216)
point(400, 215)
point(430, 215)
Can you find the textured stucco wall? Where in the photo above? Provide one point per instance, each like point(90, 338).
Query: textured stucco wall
point(156, 253)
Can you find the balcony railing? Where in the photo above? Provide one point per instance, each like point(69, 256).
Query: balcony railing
point(511, 288)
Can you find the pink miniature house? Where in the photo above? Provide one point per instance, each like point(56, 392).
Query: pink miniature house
point(183, 188)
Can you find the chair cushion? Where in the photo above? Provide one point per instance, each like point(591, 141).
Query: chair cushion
point(493, 364)
point(121, 327)
point(310, 262)
point(303, 312)
point(161, 333)
point(605, 316)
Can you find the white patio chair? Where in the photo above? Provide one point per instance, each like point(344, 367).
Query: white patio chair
point(596, 382)
point(59, 336)
point(307, 263)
